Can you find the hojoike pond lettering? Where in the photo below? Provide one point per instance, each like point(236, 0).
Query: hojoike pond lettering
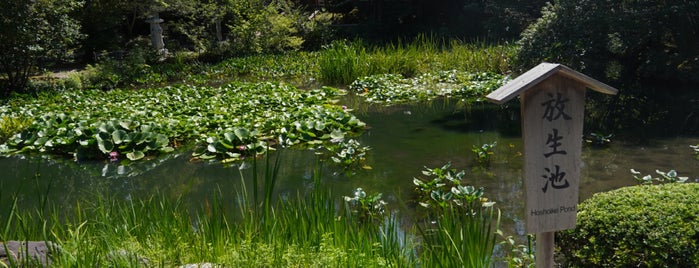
point(548, 211)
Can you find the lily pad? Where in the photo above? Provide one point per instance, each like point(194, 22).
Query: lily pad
point(135, 155)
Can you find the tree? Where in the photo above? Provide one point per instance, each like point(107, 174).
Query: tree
point(629, 40)
point(33, 32)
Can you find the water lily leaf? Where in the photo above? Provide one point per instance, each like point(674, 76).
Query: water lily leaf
point(167, 149)
point(106, 146)
point(211, 148)
point(233, 155)
point(135, 155)
point(129, 125)
point(41, 141)
point(138, 138)
point(229, 137)
point(242, 133)
point(146, 128)
point(227, 144)
point(6, 149)
point(207, 156)
point(161, 141)
point(337, 134)
point(103, 136)
point(102, 127)
point(319, 125)
point(119, 136)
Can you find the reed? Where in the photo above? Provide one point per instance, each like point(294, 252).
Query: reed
point(342, 62)
point(310, 229)
point(460, 237)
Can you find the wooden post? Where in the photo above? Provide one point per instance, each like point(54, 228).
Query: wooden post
point(553, 105)
point(544, 250)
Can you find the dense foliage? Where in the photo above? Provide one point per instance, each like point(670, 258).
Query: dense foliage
point(392, 88)
point(639, 226)
point(343, 62)
point(33, 32)
point(617, 40)
point(227, 122)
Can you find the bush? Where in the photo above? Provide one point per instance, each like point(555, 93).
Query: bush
point(639, 226)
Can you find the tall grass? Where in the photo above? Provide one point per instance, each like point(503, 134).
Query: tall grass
point(342, 62)
point(257, 230)
point(460, 237)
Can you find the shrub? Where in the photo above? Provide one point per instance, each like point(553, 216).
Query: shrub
point(638, 226)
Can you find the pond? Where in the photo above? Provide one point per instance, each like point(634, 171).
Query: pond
point(404, 139)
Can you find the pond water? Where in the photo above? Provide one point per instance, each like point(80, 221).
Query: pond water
point(404, 139)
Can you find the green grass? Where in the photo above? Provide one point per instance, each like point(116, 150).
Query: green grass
point(310, 229)
point(342, 62)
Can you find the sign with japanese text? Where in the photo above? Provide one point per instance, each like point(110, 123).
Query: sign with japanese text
point(553, 105)
point(552, 114)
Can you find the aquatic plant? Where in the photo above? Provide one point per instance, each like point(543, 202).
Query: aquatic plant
point(390, 89)
point(460, 230)
point(349, 154)
point(257, 228)
point(341, 62)
point(599, 139)
point(309, 229)
point(519, 255)
point(366, 208)
point(484, 153)
point(665, 177)
point(218, 120)
point(696, 150)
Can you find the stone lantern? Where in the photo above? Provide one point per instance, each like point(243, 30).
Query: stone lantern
point(156, 32)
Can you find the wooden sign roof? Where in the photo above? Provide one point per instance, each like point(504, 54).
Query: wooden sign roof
point(540, 73)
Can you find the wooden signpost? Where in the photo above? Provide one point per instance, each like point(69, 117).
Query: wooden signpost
point(552, 100)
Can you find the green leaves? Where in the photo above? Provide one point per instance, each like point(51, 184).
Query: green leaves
point(654, 223)
point(392, 88)
point(665, 177)
point(228, 122)
point(443, 186)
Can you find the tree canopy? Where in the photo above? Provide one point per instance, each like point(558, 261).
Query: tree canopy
point(32, 32)
point(630, 40)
